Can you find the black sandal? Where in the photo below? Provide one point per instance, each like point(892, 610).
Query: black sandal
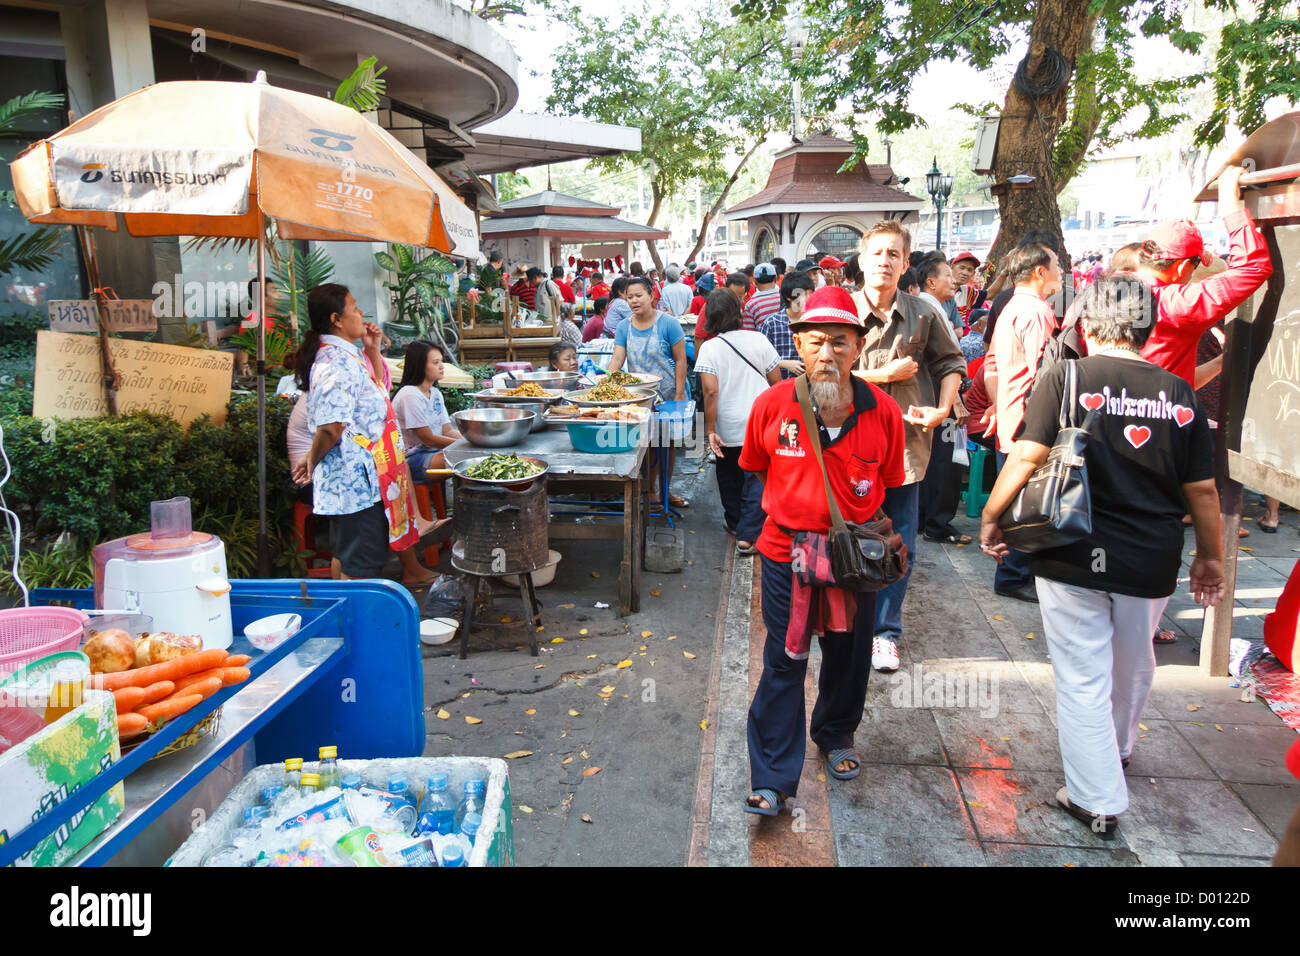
point(1104, 826)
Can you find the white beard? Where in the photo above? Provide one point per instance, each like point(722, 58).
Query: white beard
point(826, 394)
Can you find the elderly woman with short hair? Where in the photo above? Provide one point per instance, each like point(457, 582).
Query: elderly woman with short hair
point(1150, 461)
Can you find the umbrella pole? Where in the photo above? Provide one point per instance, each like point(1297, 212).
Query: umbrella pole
point(111, 376)
point(263, 544)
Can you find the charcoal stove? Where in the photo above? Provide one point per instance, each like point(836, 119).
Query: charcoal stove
point(501, 531)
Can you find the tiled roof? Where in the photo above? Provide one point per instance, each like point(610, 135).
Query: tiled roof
point(546, 224)
point(802, 178)
point(555, 202)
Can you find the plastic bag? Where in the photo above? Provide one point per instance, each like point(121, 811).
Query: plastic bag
point(446, 597)
point(959, 454)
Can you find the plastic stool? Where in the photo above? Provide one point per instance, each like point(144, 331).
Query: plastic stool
point(976, 496)
point(429, 499)
point(304, 533)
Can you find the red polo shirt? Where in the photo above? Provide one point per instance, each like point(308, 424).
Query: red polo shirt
point(866, 458)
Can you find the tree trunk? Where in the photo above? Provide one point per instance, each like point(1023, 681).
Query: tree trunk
point(657, 194)
point(1029, 127)
point(722, 197)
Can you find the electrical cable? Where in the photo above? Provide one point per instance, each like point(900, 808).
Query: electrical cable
point(1058, 68)
point(12, 522)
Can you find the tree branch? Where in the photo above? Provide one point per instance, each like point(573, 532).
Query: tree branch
point(717, 203)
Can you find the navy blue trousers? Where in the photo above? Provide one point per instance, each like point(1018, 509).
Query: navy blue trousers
point(1013, 571)
point(742, 496)
point(776, 715)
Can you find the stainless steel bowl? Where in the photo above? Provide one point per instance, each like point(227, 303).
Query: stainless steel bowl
point(560, 380)
point(495, 427)
point(460, 469)
point(537, 407)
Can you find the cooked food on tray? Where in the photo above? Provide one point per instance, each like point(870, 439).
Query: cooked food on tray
point(502, 468)
point(528, 390)
point(621, 378)
point(609, 392)
point(633, 413)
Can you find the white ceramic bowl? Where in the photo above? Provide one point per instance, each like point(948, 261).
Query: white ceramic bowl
point(438, 630)
point(268, 633)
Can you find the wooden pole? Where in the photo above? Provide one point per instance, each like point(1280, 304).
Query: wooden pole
point(263, 542)
point(111, 376)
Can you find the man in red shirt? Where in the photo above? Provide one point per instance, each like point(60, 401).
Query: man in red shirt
point(832, 269)
point(566, 290)
point(598, 287)
point(703, 286)
point(861, 433)
point(1184, 311)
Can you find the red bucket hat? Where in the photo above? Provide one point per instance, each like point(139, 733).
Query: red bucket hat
point(829, 305)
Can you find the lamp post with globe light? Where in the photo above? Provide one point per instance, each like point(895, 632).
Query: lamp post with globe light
point(796, 35)
point(939, 186)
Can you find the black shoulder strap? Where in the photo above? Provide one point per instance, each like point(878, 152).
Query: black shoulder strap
point(723, 338)
point(814, 438)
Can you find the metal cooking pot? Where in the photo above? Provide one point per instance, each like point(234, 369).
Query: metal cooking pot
point(494, 426)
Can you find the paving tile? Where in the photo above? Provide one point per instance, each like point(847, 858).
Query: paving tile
point(1191, 816)
point(973, 740)
point(991, 684)
point(1176, 688)
point(1020, 854)
point(1161, 751)
point(1243, 753)
point(899, 735)
point(875, 849)
point(1014, 807)
point(1220, 860)
point(899, 801)
point(1275, 805)
point(773, 842)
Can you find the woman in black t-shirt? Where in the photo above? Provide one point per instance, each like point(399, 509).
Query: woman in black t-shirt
point(1149, 460)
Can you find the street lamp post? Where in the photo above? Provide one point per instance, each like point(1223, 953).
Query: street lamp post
point(939, 186)
point(796, 35)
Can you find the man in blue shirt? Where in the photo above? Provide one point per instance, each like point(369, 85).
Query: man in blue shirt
point(795, 288)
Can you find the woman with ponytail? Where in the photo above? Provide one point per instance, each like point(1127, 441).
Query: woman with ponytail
point(356, 462)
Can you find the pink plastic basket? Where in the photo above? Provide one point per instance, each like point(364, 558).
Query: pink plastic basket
point(29, 633)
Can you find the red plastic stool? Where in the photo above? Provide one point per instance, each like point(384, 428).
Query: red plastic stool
point(304, 531)
point(429, 499)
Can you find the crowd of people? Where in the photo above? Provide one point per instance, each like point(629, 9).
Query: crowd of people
point(860, 382)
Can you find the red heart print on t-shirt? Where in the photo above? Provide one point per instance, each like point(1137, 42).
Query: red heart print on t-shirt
point(1137, 435)
point(1092, 400)
point(1183, 415)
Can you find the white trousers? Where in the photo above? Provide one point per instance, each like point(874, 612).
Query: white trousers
point(1104, 664)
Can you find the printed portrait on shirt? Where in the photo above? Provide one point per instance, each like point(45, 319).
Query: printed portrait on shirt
point(788, 436)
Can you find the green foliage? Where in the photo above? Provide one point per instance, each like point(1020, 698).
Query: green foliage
point(93, 479)
point(868, 54)
point(363, 89)
point(13, 111)
point(30, 251)
point(512, 186)
point(698, 95)
point(422, 293)
point(293, 276)
point(63, 564)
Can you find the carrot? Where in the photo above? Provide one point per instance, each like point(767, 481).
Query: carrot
point(237, 660)
point(128, 725)
point(169, 708)
point(170, 670)
point(129, 698)
point(156, 692)
point(234, 675)
point(193, 679)
point(204, 688)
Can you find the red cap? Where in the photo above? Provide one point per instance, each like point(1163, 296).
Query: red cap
point(829, 305)
point(1180, 239)
point(830, 262)
point(963, 256)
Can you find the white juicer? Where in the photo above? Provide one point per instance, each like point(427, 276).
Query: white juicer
point(175, 575)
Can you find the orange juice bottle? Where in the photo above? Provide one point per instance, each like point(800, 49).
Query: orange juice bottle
point(67, 689)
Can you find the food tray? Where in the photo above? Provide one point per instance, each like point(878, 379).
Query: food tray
point(499, 396)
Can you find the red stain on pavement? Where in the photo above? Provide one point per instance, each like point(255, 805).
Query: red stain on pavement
point(994, 786)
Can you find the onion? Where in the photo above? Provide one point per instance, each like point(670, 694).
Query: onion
point(110, 651)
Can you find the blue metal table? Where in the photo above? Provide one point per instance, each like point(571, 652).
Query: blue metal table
point(350, 676)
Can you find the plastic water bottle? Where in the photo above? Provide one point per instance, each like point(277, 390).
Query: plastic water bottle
point(400, 789)
point(453, 855)
point(472, 802)
point(351, 781)
point(270, 795)
point(437, 801)
point(328, 768)
point(468, 831)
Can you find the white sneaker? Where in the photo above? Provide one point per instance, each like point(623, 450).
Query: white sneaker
point(884, 654)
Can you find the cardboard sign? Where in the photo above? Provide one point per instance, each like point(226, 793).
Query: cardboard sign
point(124, 315)
point(167, 379)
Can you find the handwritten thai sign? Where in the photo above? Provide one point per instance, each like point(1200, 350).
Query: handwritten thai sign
point(124, 315)
point(169, 380)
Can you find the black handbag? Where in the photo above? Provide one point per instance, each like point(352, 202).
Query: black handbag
point(1054, 508)
point(864, 557)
